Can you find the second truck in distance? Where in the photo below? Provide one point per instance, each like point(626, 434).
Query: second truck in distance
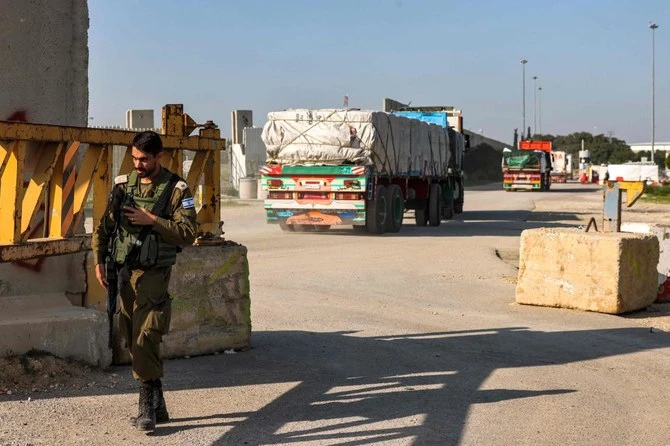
point(528, 168)
point(332, 167)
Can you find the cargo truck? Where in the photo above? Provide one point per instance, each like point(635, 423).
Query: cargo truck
point(335, 167)
point(559, 165)
point(528, 168)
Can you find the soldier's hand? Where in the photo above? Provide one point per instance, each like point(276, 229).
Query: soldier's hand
point(139, 216)
point(101, 275)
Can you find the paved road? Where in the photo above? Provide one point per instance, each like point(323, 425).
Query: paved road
point(404, 339)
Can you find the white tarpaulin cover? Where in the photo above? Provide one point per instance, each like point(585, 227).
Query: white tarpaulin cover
point(392, 144)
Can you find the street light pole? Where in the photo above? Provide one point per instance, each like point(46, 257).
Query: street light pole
point(653, 27)
point(539, 89)
point(534, 105)
point(523, 70)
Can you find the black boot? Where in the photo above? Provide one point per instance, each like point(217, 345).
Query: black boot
point(146, 418)
point(162, 415)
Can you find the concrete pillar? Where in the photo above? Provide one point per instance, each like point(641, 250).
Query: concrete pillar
point(44, 79)
point(44, 61)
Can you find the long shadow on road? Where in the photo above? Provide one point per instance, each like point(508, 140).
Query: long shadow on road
point(369, 390)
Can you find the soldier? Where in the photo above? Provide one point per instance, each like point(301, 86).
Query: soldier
point(143, 241)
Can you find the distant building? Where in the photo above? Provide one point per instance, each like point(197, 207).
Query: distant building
point(646, 147)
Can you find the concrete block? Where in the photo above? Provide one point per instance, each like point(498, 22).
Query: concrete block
point(50, 323)
point(211, 303)
point(595, 271)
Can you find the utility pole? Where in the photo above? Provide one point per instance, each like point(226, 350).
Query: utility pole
point(534, 105)
point(539, 90)
point(653, 27)
point(523, 94)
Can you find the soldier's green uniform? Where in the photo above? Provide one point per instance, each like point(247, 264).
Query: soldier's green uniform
point(145, 304)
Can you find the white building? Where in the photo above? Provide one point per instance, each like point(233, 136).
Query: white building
point(646, 147)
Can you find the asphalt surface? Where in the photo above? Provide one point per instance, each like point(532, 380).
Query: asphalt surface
point(402, 339)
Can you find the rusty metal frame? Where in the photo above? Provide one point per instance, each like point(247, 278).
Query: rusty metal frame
point(31, 209)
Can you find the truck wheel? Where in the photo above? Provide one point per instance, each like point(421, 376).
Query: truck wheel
point(448, 205)
point(396, 205)
point(458, 204)
point(377, 212)
point(434, 205)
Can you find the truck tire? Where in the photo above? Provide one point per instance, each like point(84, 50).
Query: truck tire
point(396, 206)
point(448, 204)
point(377, 212)
point(435, 205)
point(458, 203)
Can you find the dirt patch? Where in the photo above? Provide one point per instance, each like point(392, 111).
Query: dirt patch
point(42, 372)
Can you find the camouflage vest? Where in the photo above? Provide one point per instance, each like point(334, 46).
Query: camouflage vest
point(154, 251)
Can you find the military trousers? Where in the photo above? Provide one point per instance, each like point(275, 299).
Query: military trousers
point(144, 317)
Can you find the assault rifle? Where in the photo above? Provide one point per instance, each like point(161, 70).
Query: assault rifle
point(116, 203)
point(112, 293)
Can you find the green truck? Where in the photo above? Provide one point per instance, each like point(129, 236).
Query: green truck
point(337, 167)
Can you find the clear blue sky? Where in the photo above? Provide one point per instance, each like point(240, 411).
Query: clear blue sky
point(592, 59)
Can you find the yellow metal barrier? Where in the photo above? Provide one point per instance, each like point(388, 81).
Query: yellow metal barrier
point(44, 186)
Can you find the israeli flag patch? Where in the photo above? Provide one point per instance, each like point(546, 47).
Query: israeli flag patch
point(188, 203)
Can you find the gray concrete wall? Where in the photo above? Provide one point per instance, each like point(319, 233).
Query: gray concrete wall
point(44, 78)
point(45, 60)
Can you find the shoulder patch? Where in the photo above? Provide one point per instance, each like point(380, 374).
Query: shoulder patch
point(121, 179)
point(181, 185)
point(188, 203)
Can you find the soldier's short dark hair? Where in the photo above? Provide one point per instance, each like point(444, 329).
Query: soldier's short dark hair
point(148, 142)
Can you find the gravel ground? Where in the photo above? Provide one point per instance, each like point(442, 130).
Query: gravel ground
point(418, 352)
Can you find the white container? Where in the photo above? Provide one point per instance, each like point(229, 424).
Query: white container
point(248, 188)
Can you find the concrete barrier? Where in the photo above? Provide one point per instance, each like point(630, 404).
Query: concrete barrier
point(248, 188)
point(604, 272)
point(211, 303)
point(50, 323)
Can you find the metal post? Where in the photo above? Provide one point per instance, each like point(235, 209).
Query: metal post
point(523, 70)
point(539, 89)
point(653, 27)
point(534, 105)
